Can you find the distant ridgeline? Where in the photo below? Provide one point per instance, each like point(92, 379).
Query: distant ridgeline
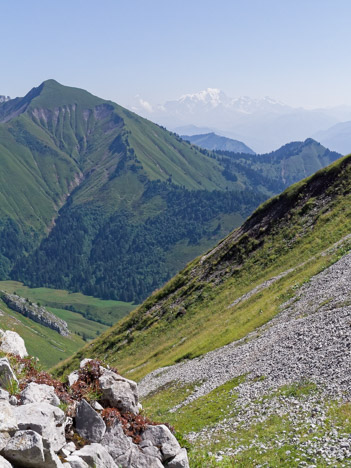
point(94, 198)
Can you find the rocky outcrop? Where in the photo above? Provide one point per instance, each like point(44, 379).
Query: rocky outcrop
point(101, 426)
point(11, 342)
point(39, 393)
point(35, 312)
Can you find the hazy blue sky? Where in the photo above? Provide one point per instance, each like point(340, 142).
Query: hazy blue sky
point(297, 51)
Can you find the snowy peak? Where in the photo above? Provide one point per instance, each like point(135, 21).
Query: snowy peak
point(212, 98)
point(4, 98)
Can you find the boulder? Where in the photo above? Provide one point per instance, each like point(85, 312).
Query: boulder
point(73, 377)
point(25, 449)
point(124, 452)
point(11, 342)
point(84, 362)
point(119, 392)
point(152, 451)
point(4, 463)
point(39, 393)
point(7, 376)
point(116, 442)
point(76, 462)
point(95, 455)
point(160, 436)
point(8, 421)
point(51, 459)
point(179, 461)
point(46, 420)
point(89, 424)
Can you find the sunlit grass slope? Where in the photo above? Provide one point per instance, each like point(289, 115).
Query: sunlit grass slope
point(192, 314)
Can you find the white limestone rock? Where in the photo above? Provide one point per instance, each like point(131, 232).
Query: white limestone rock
point(95, 455)
point(179, 461)
point(8, 422)
point(89, 424)
point(96, 405)
point(4, 395)
point(39, 393)
point(51, 459)
point(124, 452)
point(117, 443)
point(11, 342)
point(46, 420)
point(84, 362)
point(119, 392)
point(70, 447)
point(160, 436)
point(73, 377)
point(76, 462)
point(25, 449)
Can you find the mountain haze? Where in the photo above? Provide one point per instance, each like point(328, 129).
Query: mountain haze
point(211, 141)
point(337, 137)
point(264, 124)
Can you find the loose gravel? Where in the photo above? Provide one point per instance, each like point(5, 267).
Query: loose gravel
point(309, 340)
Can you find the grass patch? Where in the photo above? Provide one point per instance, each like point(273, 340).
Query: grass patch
point(105, 312)
point(42, 342)
point(204, 411)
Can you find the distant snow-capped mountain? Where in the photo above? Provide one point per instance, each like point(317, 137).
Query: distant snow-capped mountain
point(212, 98)
point(4, 98)
point(262, 123)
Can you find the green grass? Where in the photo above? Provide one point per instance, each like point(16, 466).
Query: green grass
point(191, 315)
point(202, 412)
point(42, 342)
point(81, 312)
point(220, 404)
point(273, 429)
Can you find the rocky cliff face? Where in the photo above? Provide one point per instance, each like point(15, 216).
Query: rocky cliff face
point(92, 420)
point(35, 312)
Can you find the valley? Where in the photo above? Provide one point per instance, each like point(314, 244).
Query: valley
point(125, 232)
point(86, 317)
point(98, 200)
point(246, 351)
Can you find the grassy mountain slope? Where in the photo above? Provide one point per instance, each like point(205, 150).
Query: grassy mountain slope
point(107, 171)
point(96, 199)
point(196, 312)
point(40, 341)
point(285, 166)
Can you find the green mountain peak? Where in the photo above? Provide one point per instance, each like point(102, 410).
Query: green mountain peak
point(94, 198)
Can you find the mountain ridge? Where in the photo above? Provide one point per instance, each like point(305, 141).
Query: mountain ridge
point(245, 351)
point(86, 186)
point(214, 142)
point(226, 262)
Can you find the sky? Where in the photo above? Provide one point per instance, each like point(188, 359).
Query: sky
point(295, 51)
